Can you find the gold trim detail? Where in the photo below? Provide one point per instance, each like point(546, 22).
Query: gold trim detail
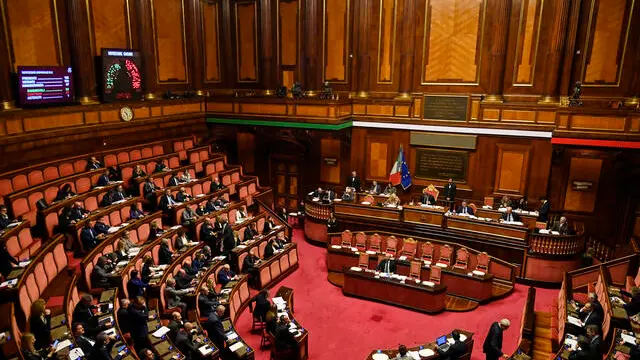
point(255, 43)
point(535, 53)
point(86, 100)
point(493, 99)
point(362, 94)
point(632, 101)
point(9, 106)
point(403, 96)
point(150, 96)
point(478, 55)
point(393, 44)
point(548, 99)
point(583, 71)
point(155, 45)
point(347, 49)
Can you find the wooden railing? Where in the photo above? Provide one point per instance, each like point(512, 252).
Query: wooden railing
point(556, 244)
point(317, 210)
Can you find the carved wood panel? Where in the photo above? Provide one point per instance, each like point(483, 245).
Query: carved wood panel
point(247, 41)
point(336, 47)
point(288, 32)
point(528, 36)
point(512, 169)
point(387, 26)
point(211, 38)
point(110, 25)
point(453, 39)
point(170, 44)
point(378, 158)
point(583, 170)
point(329, 150)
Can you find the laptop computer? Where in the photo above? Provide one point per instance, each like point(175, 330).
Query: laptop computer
point(442, 343)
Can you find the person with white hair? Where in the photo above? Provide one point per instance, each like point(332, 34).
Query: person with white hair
point(492, 346)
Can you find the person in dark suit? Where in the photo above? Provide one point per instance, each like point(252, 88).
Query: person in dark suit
point(201, 210)
point(285, 341)
point(147, 273)
point(250, 232)
point(135, 285)
point(229, 241)
point(188, 216)
point(183, 280)
point(450, 191)
point(215, 185)
point(492, 346)
point(167, 201)
point(160, 167)
point(582, 351)
point(590, 316)
point(83, 342)
point(123, 316)
point(261, 305)
point(387, 265)
point(6, 260)
point(455, 351)
point(464, 209)
point(149, 188)
point(543, 210)
point(89, 237)
point(207, 232)
point(100, 275)
point(225, 275)
point(93, 164)
point(375, 188)
point(510, 216)
point(595, 341)
point(250, 266)
point(146, 354)
point(102, 348)
point(214, 327)
point(138, 317)
point(77, 212)
point(40, 323)
point(328, 194)
point(101, 227)
point(119, 194)
point(268, 225)
point(207, 301)
point(633, 305)
point(185, 342)
point(138, 172)
point(83, 313)
point(427, 199)
point(182, 195)
point(4, 217)
point(354, 181)
point(155, 231)
point(271, 249)
point(164, 254)
point(64, 192)
point(173, 181)
point(317, 193)
point(522, 204)
point(29, 352)
point(135, 213)
point(562, 226)
point(175, 325)
point(349, 195)
point(103, 180)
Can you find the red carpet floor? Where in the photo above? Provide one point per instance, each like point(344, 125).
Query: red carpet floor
point(345, 328)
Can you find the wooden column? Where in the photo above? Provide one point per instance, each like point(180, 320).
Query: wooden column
point(147, 50)
point(555, 51)
point(407, 44)
point(228, 69)
point(569, 52)
point(268, 67)
point(633, 93)
point(498, 38)
point(6, 93)
point(364, 16)
point(311, 48)
point(195, 46)
point(81, 52)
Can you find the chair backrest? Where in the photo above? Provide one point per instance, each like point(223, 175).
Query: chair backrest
point(392, 245)
point(474, 207)
point(483, 261)
point(347, 238)
point(361, 241)
point(363, 260)
point(374, 242)
point(431, 190)
point(409, 247)
point(541, 225)
point(445, 254)
point(462, 258)
point(427, 251)
point(415, 270)
point(369, 198)
point(435, 274)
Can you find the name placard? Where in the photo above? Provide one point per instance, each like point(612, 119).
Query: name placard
point(436, 164)
point(438, 107)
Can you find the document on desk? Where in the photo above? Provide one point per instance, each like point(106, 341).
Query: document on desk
point(75, 354)
point(160, 332)
point(63, 345)
point(414, 354)
point(205, 350)
point(236, 346)
point(574, 321)
point(232, 335)
point(629, 339)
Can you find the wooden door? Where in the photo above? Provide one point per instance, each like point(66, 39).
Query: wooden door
point(286, 179)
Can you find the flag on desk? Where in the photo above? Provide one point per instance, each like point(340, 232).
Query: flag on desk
point(400, 172)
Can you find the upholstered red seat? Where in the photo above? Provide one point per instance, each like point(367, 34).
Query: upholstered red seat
point(391, 246)
point(361, 241)
point(435, 274)
point(346, 238)
point(415, 269)
point(35, 177)
point(445, 255)
point(462, 259)
point(409, 248)
point(363, 260)
point(375, 243)
point(427, 252)
point(147, 152)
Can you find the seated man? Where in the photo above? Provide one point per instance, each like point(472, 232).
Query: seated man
point(348, 195)
point(101, 226)
point(211, 205)
point(510, 216)
point(250, 266)
point(183, 280)
point(187, 344)
point(220, 202)
point(93, 164)
point(175, 325)
point(464, 209)
point(328, 194)
point(250, 232)
point(135, 285)
point(269, 224)
point(390, 189)
point(101, 274)
point(77, 212)
point(103, 180)
point(82, 341)
point(633, 305)
point(149, 188)
point(87, 314)
point(119, 194)
point(285, 341)
point(595, 343)
point(427, 198)
point(271, 249)
point(201, 210)
point(173, 295)
point(582, 350)
point(174, 181)
point(215, 185)
point(562, 226)
point(387, 265)
point(455, 350)
point(207, 301)
point(375, 188)
point(167, 201)
point(317, 193)
point(160, 167)
point(182, 195)
point(90, 237)
point(590, 316)
point(4, 218)
point(188, 216)
point(207, 232)
point(225, 275)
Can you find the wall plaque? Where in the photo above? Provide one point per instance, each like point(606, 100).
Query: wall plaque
point(435, 164)
point(437, 107)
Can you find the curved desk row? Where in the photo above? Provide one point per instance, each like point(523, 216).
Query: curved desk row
point(425, 351)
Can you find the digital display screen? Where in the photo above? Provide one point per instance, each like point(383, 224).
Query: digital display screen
point(38, 85)
point(121, 76)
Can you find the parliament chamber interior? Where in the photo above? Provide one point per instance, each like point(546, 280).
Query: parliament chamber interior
point(422, 179)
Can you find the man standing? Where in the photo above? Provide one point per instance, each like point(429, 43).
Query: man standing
point(450, 193)
point(354, 181)
point(492, 346)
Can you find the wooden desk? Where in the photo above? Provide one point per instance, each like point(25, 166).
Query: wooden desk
point(392, 353)
point(457, 281)
point(377, 198)
point(303, 335)
point(432, 216)
point(369, 211)
point(484, 227)
point(528, 219)
point(410, 295)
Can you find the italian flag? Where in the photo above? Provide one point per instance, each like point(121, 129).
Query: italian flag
point(395, 177)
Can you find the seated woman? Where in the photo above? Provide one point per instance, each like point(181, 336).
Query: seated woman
point(122, 252)
point(29, 352)
point(40, 324)
point(271, 319)
point(65, 192)
point(181, 241)
point(392, 201)
point(135, 213)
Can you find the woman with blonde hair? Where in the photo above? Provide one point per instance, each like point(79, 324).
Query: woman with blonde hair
point(29, 351)
point(40, 323)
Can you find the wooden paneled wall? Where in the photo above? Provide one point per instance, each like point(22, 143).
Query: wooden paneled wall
point(519, 50)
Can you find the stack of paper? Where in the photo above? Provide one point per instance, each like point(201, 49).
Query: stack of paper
point(574, 321)
point(24, 263)
point(75, 353)
point(629, 339)
point(63, 345)
point(236, 346)
point(9, 283)
point(205, 350)
point(160, 332)
point(232, 335)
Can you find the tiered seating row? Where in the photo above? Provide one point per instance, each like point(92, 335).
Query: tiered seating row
point(20, 244)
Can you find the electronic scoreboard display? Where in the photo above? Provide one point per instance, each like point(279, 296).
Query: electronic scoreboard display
point(42, 85)
point(121, 77)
